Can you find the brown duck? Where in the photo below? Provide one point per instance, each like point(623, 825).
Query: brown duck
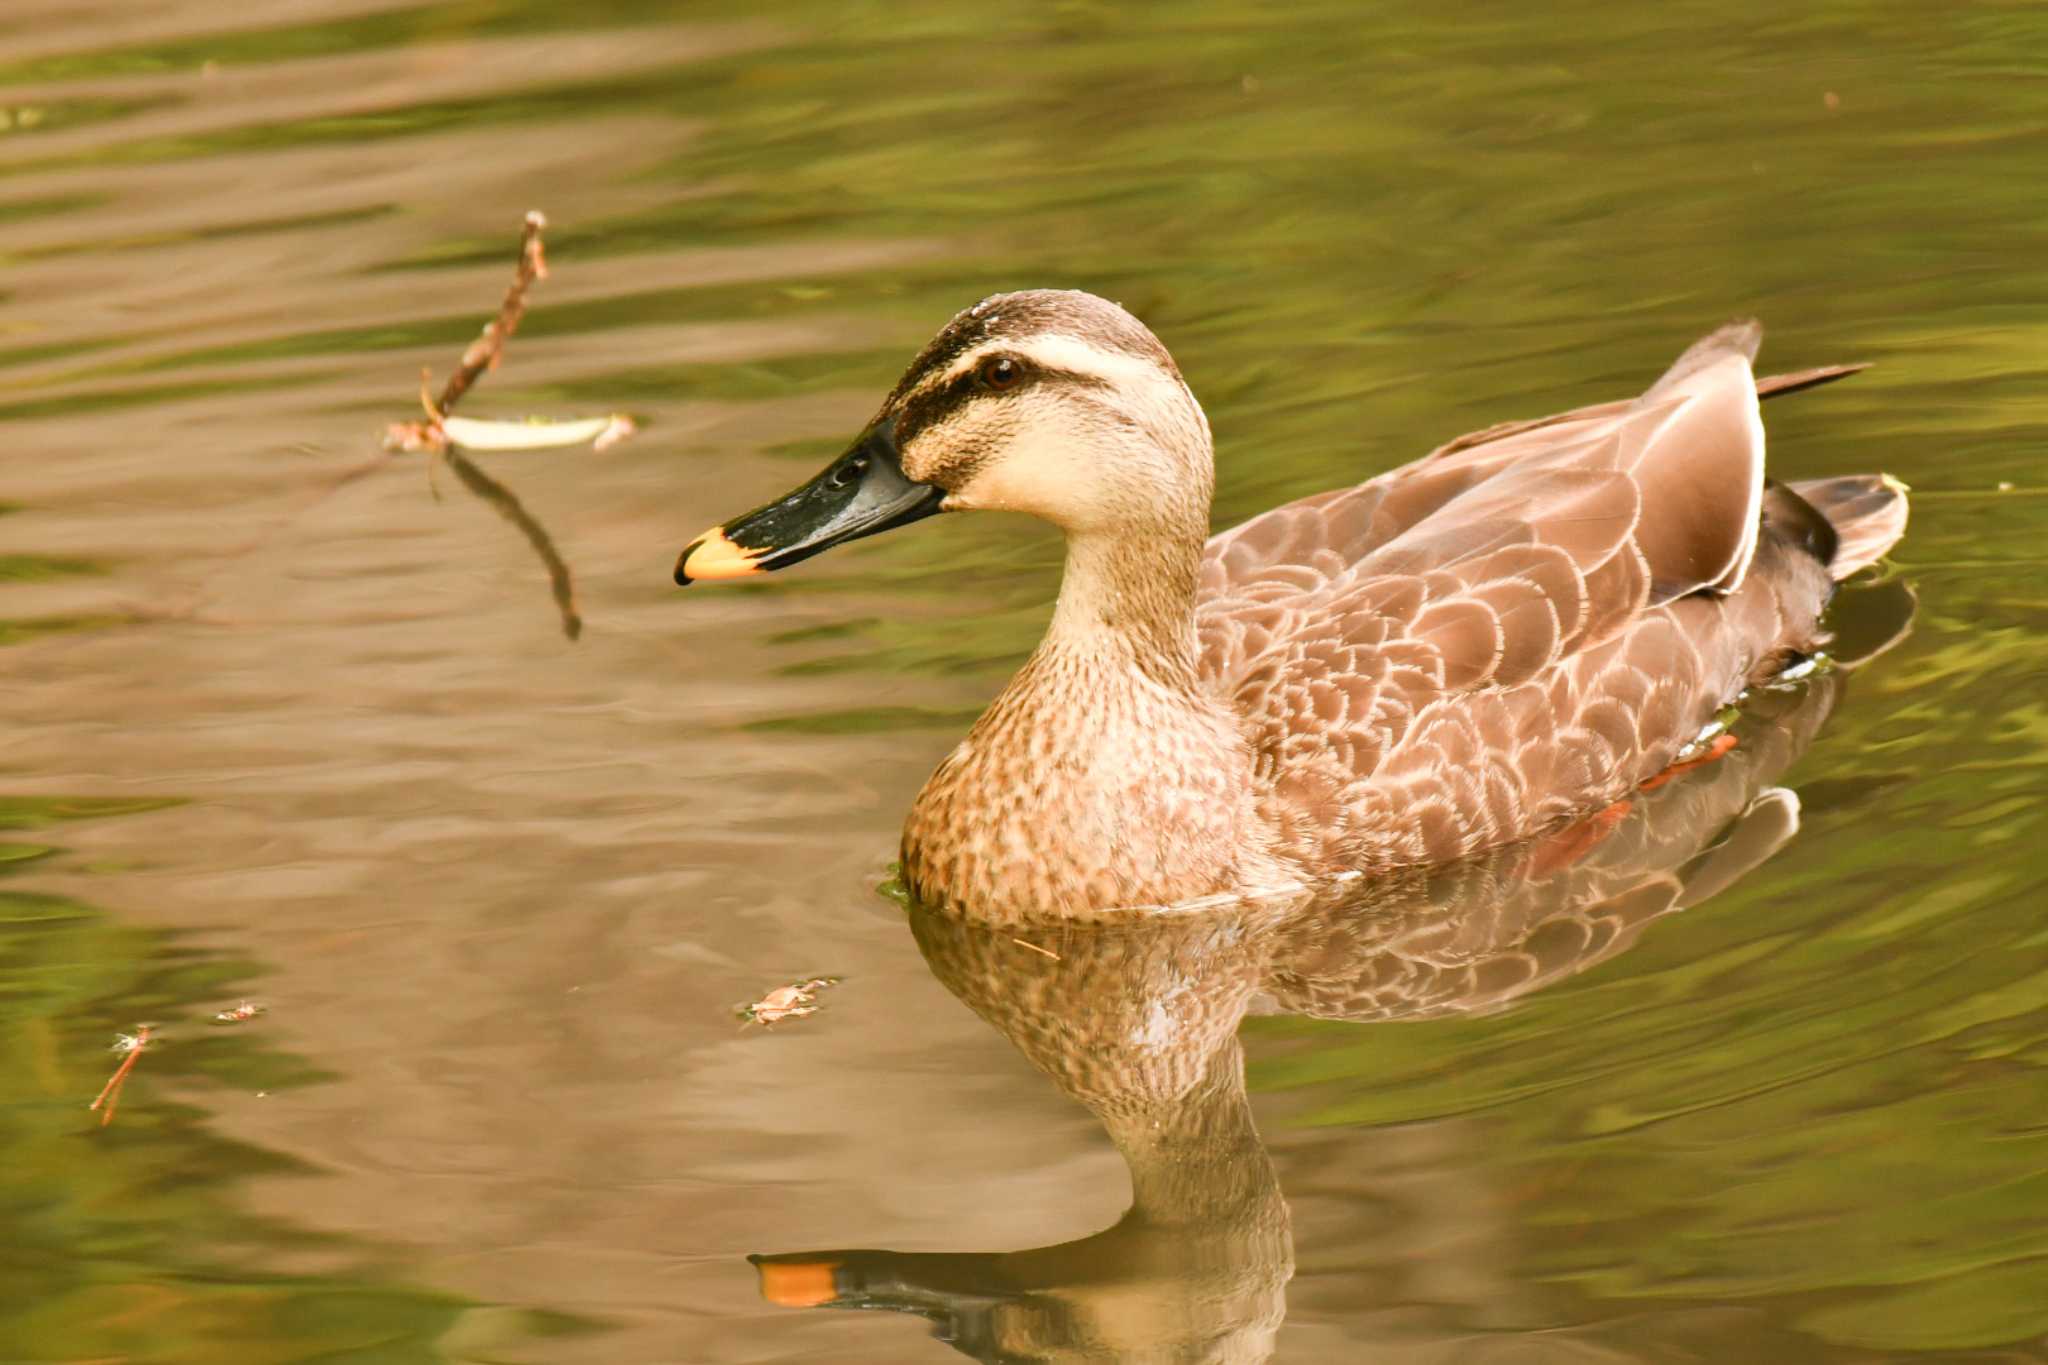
point(1479, 646)
point(1137, 1017)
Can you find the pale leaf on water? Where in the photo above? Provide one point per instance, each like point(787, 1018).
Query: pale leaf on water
point(537, 433)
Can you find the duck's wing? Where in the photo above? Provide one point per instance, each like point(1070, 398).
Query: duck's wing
point(1770, 386)
point(1474, 936)
point(1674, 477)
point(1328, 533)
point(1467, 648)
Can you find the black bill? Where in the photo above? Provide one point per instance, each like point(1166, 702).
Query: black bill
point(858, 494)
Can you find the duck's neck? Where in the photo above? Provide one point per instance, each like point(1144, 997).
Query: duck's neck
point(1127, 601)
point(1105, 774)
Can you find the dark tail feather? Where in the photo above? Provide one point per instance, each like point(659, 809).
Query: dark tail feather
point(1867, 511)
point(1777, 385)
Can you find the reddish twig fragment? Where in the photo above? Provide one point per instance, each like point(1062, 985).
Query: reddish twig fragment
point(444, 435)
point(131, 1046)
point(481, 354)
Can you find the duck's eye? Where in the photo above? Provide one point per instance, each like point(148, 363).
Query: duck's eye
point(999, 372)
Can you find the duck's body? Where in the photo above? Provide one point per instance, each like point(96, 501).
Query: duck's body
point(1137, 1018)
point(1467, 650)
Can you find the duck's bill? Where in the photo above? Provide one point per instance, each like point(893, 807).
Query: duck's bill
point(858, 494)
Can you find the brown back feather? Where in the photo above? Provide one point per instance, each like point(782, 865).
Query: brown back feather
point(1480, 643)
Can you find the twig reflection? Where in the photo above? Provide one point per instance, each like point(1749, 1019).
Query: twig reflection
point(511, 509)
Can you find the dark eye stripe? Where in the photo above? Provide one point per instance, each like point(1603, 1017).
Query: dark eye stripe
point(962, 389)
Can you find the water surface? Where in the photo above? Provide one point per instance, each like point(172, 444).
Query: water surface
point(289, 720)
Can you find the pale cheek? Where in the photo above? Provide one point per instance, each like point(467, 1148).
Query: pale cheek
point(1042, 479)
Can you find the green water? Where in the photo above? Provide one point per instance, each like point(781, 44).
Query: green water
point(318, 741)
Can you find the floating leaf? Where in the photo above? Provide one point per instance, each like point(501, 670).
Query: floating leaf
point(537, 433)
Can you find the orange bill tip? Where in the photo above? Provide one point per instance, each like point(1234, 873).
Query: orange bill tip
point(712, 555)
point(798, 1284)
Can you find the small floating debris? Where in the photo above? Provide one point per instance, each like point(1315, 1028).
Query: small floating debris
point(444, 436)
point(538, 433)
point(793, 1001)
point(442, 429)
point(240, 1014)
point(130, 1046)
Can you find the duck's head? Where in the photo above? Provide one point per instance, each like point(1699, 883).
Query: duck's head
point(1051, 402)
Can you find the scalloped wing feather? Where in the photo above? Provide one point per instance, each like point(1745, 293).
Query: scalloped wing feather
point(1474, 646)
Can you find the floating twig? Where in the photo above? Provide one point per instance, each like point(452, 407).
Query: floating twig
point(443, 430)
point(482, 354)
point(485, 352)
point(442, 435)
point(1047, 952)
point(130, 1046)
point(435, 435)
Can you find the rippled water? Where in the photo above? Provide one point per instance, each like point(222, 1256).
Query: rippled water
point(287, 720)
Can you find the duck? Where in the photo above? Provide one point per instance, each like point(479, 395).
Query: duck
point(1478, 647)
point(1197, 1267)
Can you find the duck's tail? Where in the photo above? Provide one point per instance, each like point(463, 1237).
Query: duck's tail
point(1861, 516)
point(1867, 513)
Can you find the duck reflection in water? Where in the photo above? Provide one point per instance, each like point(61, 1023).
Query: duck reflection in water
point(1137, 1019)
